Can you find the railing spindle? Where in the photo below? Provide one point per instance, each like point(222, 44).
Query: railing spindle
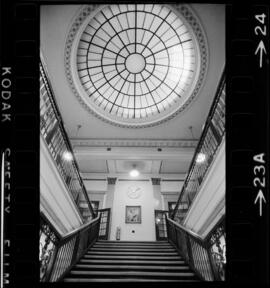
point(70, 248)
point(53, 132)
point(197, 251)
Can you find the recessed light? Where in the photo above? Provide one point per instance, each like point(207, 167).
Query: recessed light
point(67, 156)
point(134, 173)
point(201, 157)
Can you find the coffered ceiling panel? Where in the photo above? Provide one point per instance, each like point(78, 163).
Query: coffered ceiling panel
point(144, 166)
point(92, 166)
point(169, 166)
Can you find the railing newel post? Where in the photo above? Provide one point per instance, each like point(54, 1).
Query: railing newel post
point(75, 250)
point(48, 278)
point(189, 248)
point(175, 236)
point(213, 270)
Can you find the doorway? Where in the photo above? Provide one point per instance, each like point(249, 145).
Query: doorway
point(160, 223)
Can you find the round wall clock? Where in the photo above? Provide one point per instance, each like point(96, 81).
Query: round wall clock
point(134, 192)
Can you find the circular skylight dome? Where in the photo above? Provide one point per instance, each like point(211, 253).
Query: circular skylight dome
point(136, 64)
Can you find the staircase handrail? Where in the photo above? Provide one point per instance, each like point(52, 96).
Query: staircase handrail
point(200, 252)
point(190, 232)
point(56, 112)
point(79, 229)
point(208, 125)
point(58, 254)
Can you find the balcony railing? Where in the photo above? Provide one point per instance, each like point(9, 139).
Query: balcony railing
point(57, 255)
point(207, 257)
point(211, 138)
point(54, 134)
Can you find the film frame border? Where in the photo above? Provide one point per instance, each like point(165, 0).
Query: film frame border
point(21, 52)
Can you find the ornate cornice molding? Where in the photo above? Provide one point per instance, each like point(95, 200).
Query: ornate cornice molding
point(159, 143)
point(191, 19)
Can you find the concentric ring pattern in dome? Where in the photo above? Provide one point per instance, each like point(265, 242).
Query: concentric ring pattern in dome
point(137, 63)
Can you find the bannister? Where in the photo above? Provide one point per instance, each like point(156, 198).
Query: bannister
point(210, 140)
point(206, 256)
point(58, 254)
point(54, 134)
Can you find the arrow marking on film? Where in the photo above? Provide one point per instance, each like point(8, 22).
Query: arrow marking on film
point(261, 198)
point(262, 49)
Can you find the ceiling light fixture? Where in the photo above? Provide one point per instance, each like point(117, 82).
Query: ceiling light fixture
point(134, 172)
point(67, 156)
point(201, 157)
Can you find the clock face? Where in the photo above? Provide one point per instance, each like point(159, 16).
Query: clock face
point(134, 192)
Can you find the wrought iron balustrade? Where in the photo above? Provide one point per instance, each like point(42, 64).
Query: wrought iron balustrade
point(58, 254)
point(207, 257)
point(211, 138)
point(54, 134)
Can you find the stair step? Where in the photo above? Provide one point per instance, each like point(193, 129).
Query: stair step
point(131, 249)
point(112, 246)
point(90, 252)
point(133, 273)
point(133, 242)
point(81, 267)
point(131, 261)
point(132, 257)
point(125, 280)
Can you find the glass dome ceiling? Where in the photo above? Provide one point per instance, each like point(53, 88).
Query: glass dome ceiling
point(136, 63)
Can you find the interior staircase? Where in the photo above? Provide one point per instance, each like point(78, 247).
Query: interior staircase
point(129, 261)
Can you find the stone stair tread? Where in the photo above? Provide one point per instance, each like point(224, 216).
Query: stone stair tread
point(135, 267)
point(132, 261)
point(131, 244)
point(126, 280)
point(150, 257)
point(133, 247)
point(133, 273)
point(126, 241)
point(130, 249)
point(130, 253)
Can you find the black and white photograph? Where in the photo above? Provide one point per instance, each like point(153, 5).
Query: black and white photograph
point(134, 143)
point(132, 123)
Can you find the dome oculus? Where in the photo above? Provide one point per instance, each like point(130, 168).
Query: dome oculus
point(136, 63)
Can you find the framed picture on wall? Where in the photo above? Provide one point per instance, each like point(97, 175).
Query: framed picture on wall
point(133, 214)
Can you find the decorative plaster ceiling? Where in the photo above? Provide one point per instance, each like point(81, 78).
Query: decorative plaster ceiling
point(57, 21)
point(120, 142)
point(94, 168)
point(136, 65)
